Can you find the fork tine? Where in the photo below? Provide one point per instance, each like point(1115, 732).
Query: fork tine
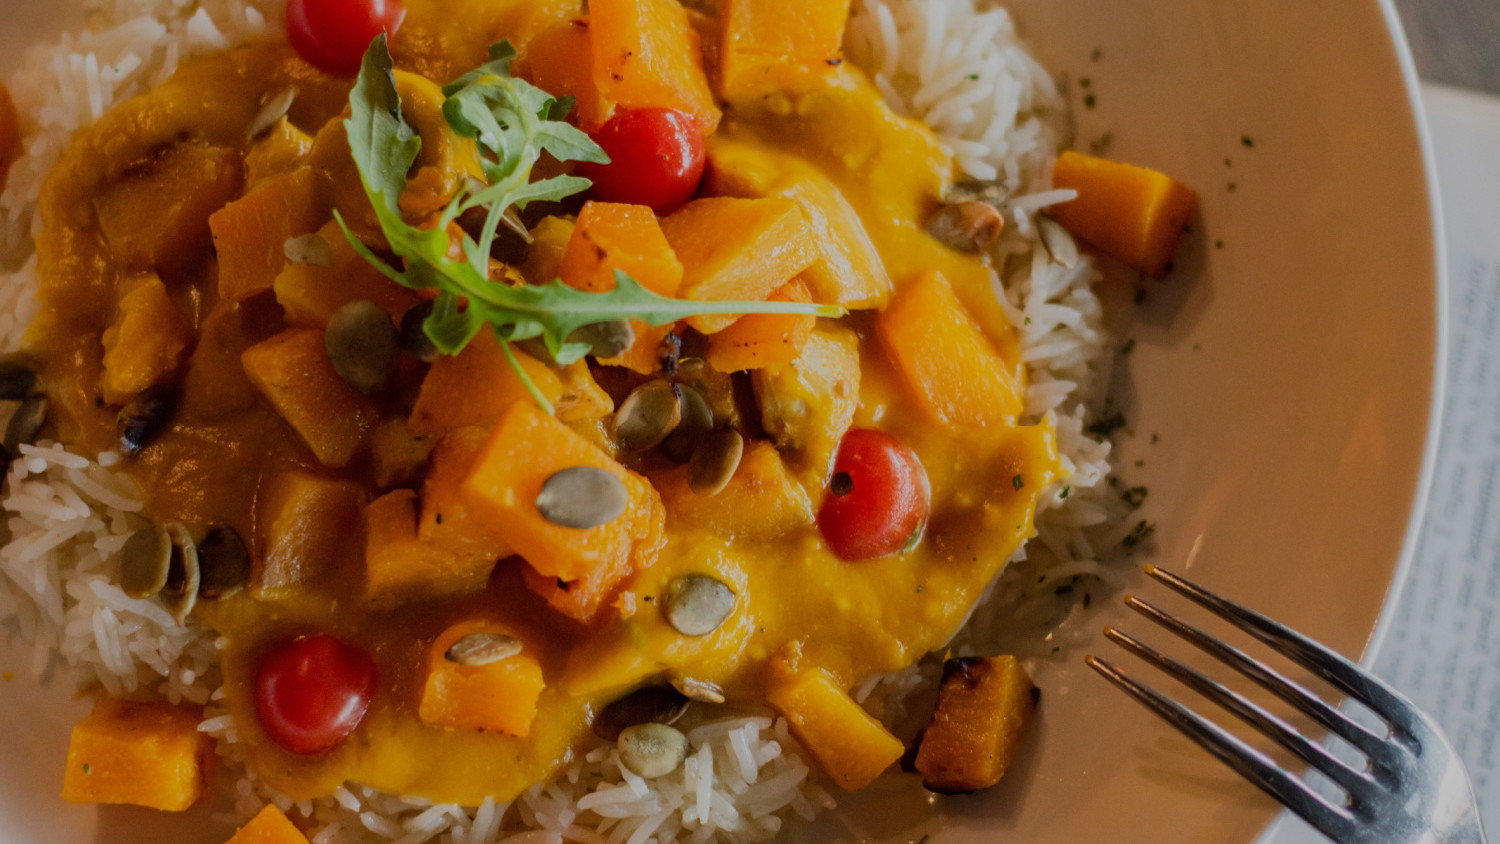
point(1326, 663)
point(1305, 702)
point(1248, 762)
point(1355, 782)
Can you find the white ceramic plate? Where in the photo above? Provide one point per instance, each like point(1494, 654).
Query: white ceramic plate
point(1279, 396)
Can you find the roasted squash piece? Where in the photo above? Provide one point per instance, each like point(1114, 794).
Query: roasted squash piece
point(400, 567)
point(944, 358)
point(849, 745)
point(983, 709)
point(398, 455)
point(10, 134)
point(309, 293)
point(808, 404)
point(738, 249)
point(282, 149)
point(447, 520)
point(250, 234)
point(778, 45)
point(1130, 213)
point(293, 373)
point(646, 55)
point(146, 342)
point(560, 61)
point(269, 826)
point(476, 386)
point(158, 216)
point(498, 697)
point(612, 236)
point(756, 341)
point(549, 242)
point(761, 502)
point(582, 398)
point(307, 525)
point(140, 754)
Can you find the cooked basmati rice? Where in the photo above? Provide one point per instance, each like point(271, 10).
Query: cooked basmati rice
point(962, 71)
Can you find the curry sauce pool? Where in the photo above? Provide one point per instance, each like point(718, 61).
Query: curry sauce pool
point(245, 453)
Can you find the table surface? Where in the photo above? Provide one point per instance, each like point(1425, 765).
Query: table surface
point(1456, 42)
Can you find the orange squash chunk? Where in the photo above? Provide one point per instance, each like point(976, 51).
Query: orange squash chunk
point(447, 521)
point(281, 150)
point(613, 236)
point(146, 342)
point(984, 707)
point(10, 134)
point(1130, 213)
point(250, 233)
point(646, 54)
point(293, 373)
point(499, 697)
point(945, 360)
point(476, 386)
point(159, 218)
point(738, 249)
point(771, 45)
point(310, 293)
point(762, 501)
point(759, 340)
point(400, 567)
point(849, 745)
point(269, 826)
point(549, 242)
point(526, 448)
point(560, 61)
point(140, 754)
point(306, 524)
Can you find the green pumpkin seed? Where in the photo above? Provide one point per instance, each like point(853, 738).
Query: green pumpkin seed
point(991, 191)
point(223, 563)
point(184, 576)
point(361, 343)
point(692, 689)
point(715, 461)
point(651, 412)
point(26, 422)
point(1059, 242)
point(146, 416)
point(478, 649)
point(144, 561)
point(697, 421)
point(697, 604)
point(606, 339)
point(652, 750)
point(646, 705)
point(582, 497)
point(967, 226)
point(17, 378)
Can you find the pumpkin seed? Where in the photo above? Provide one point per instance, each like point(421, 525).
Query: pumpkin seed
point(715, 461)
point(310, 249)
point(992, 191)
point(606, 339)
point(700, 690)
point(144, 561)
point(651, 412)
point(223, 563)
point(478, 649)
point(646, 705)
point(1059, 242)
point(652, 750)
point(146, 416)
point(274, 109)
point(17, 378)
point(26, 422)
point(697, 604)
point(697, 421)
point(361, 344)
point(413, 334)
point(180, 592)
point(967, 226)
point(582, 497)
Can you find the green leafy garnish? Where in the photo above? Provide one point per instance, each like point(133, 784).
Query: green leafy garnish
point(513, 123)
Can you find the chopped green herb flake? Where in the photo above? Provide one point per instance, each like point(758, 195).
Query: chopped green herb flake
point(1233, 186)
point(1247, 142)
point(1108, 425)
point(1218, 244)
point(1138, 534)
point(1097, 55)
point(1085, 82)
point(973, 77)
point(1135, 496)
point(1018, 482)
point(1155, 438)
point(1066, 491)
point(87, 768)
point(1128, 347)
point(1089, 101)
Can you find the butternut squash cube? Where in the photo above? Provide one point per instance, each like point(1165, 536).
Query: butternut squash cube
point(808, 404)
point(250, 234)
point(269, 826)
point(646, 54)
point(140, 754)
point(549, 242)
point(779, 45)
point(499, 697)
point(1130, 213)
point(399, 456)
point(560, 61)
point(446, 520)
point(582, 398)
point(292, 372)
point(849, 745)
point(400, 567)
point(738, 249)
point(984, 707)
point(761, 502)
point(476, 386)
point(756, 341)
point(529, 446)
point(310, 293)
point(307, 525)
point(944, 358)
point(146, 342)
point(612, 236)
point(159, 216)
point(282, 149)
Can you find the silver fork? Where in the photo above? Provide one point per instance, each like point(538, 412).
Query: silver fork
point(1413, 788)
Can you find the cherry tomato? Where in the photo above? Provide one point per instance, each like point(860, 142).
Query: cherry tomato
point(312, 691)
point(878, 497)
point(332, 35)
point(655, 158)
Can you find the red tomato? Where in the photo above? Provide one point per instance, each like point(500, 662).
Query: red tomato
point(878, 497)
point(655, 158)
point(332, 35)
point(312, 691)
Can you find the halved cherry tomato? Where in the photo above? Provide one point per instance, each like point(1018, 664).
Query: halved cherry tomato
point(332, 35)
point(878, 497)
point(312, 691)
point(655, 158)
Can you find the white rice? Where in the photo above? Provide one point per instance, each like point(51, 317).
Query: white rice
point(963, 72)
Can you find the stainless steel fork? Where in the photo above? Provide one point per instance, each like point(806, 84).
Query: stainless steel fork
point(1413, 787)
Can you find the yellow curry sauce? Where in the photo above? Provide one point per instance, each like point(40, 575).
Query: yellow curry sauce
point(226, 444)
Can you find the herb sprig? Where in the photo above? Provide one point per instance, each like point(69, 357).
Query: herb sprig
point(513, 123)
